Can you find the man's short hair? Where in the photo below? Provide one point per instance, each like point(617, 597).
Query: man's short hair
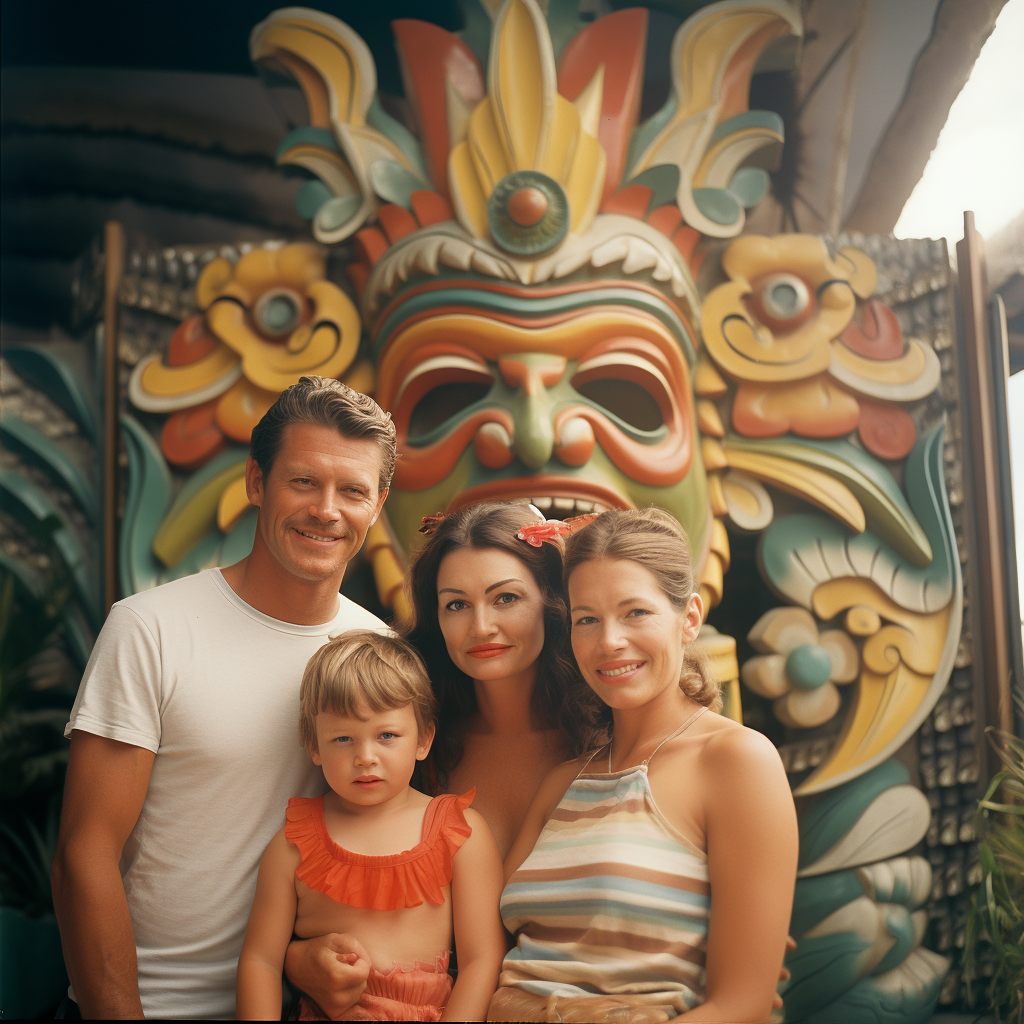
point(325, 402)
point(363, 671)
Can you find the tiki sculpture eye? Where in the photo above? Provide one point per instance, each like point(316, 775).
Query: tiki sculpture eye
point(634, 392)
point(278, 312)
point(781, 301)
point(443, 402)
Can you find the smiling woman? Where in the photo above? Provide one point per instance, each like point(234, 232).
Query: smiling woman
point(609, 883)
point(491, 625)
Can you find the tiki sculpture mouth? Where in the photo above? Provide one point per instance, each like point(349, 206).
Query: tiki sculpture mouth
point(557, 498)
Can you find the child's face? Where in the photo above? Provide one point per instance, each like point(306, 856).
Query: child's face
point(370, 759)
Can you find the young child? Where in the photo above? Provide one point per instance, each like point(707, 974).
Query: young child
point(402, 873)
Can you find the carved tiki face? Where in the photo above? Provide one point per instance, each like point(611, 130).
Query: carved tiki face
point(526, 266)
point(573, 394)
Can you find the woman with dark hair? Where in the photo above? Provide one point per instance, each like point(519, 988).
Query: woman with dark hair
point(492, 627)
point(652, 878)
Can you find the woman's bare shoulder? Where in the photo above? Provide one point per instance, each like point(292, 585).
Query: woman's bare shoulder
point(727, 747)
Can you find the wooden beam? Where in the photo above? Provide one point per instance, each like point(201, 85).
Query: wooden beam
point(941, 70)
point(113, 254)
point(991, 649)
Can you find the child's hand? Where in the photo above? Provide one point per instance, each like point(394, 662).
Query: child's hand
point(331, 969)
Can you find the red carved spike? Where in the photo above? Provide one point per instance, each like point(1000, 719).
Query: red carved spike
point(665, 218)
point(190, 342)
point(358, 274)
point(371, 244)
point(431, 208)
point(878, 336)
point(396, 221)
point(191, 437)
point(631, 201)
point(886, 429)
point(618, 41)
point(428, 56)
point(686, 239)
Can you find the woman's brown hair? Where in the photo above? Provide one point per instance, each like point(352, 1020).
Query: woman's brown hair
point(654, 540)
point(558, 700)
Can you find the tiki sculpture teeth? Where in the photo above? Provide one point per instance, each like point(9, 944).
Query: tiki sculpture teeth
point(526, 308)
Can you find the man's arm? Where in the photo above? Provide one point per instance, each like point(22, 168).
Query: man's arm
point(103, 795)
point(331, 969)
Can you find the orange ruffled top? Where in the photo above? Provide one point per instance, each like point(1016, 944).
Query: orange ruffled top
point(392, 882)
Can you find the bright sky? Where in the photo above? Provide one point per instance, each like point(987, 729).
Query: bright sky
point(978, 162)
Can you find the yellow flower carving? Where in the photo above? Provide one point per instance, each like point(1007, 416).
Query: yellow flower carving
point(784, 303)
point(277, 311)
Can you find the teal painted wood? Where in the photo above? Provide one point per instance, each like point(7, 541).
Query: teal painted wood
point(57, 381)
point(644, 134)
point(799, 552)
point(822, 968)
point(663, 180)
point(377, 117)
point(238, 543)
point(886, 510)
point(817, 897)
point(718, 205)
point(872, 1001)
point(394, 184)
point(29, 580)
point(149, 492)
point(77, 631)
point(198, 480)
point(41, 517)
point(33, 444)
point(834, 814)
point(307, 134)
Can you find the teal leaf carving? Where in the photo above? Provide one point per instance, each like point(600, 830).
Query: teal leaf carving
point(56, 380)
point(39, 449)
point(718, 205)
point(662, 180)
point(34, 510)
point(377, 117)
point(394, 184)
point(312, 196)
point(238, 543)
point(908, 994)
point(833, 815)
point(149, 491)
point(799, 552)
point(885, 508)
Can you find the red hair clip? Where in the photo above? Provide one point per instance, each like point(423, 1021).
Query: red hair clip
point(552, 530)
point(431, 523)
point(536, 533)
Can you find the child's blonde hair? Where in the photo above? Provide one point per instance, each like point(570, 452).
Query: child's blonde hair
point(360, 671)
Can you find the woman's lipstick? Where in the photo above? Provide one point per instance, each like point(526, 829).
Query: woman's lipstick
point(488, 650)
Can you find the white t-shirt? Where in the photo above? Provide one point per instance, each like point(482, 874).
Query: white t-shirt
point(210, 685)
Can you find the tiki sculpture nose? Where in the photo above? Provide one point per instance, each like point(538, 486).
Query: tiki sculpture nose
point(531, 374)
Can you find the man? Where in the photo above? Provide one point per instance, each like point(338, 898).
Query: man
point(184, 741)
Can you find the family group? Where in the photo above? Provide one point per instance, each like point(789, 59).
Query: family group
point(520, 805)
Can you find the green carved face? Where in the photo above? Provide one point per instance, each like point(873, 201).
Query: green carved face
point(586, 410)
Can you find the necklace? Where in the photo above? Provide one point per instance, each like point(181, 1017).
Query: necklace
point(689, 721)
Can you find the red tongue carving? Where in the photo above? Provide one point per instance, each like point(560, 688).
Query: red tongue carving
point(191, 342)
point(878, 336)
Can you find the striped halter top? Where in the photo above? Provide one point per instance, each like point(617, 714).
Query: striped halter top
point(613, 900)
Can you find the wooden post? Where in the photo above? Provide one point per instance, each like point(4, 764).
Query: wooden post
point(991, 650)
point(113, 253)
